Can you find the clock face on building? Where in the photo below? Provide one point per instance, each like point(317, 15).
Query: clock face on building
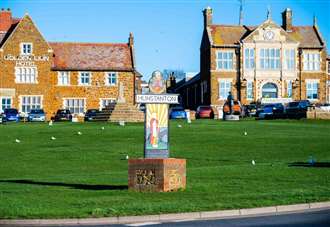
point(269, 35)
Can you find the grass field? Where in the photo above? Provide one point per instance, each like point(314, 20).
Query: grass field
point(86, 175)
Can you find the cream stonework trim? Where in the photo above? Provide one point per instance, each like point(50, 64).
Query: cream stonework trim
point(225, 79)
point(208, 30)
point(106, 81)
point(90, 79)
point(20, 102)
point(85, 103)
point(312, 80)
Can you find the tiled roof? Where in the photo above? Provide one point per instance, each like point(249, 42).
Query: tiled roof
point(223, 35)
point(92, 56)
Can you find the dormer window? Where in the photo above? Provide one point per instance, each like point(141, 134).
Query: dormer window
point(26, 48)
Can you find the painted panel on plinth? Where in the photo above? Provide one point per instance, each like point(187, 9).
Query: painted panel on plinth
point(156, 131)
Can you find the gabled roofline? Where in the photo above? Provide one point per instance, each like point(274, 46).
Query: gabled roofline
point(11, 34)
point(268, 20)
point(319, 36)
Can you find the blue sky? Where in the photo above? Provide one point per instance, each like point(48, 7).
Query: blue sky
point(167, 33)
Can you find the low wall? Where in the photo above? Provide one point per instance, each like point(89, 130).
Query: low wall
point(318, 114)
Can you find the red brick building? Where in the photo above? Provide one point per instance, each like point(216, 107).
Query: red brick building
point(35, 73)
point(269, 62)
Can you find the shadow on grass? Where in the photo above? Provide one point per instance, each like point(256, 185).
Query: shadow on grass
point(306, 164)
point(74, 186)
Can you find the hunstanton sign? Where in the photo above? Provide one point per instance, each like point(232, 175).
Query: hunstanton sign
point(156, 171)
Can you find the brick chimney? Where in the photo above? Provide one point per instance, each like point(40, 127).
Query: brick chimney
point(207, 12)
point(287, 20)
point(5, 19)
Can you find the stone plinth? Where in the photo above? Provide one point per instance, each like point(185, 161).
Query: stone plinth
point(156, 175)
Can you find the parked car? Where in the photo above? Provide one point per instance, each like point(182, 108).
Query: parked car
point(63, 115)
point(204, 112)
point(251, 110)
point(297, 109)
point(2, 118)
point(177, 112)
point(37, 115)
point(91, 114)
point(11, 115)
point(272, 111)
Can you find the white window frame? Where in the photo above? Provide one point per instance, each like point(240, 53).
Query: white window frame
point(83, 74)
point(107, 79)
point(24, 75)
point(5, 97)
point(110, 100)
point(311, 61)
point(267, 61)
point(226, 88)
point(290, 59)
point(249, 90)
point(31, 104)
point(74, 99)
point(22, 48)
point(312, 82)
point(249, 59)
point(60, 80)
point(223, 61)
point(289, 87)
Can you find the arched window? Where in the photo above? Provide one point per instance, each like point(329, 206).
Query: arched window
point(269, 90)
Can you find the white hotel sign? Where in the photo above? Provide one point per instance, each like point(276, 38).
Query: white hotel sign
point(25, 60)
point(164, 99)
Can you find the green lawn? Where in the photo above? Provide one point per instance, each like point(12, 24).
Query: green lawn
point(86, 175)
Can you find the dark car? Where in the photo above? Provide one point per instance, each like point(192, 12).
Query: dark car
point(297, 109)
point(63, 115)
point(91, 114)
point(251, 110)
point(204, 112)
point(2, 119)
point(37, 115)
point(11, 115)
point(177, 113)
point(272, 111)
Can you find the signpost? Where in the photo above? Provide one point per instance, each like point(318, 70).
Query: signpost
point(156, 171)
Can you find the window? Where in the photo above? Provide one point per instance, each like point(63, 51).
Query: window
point(290, 59)
point(289, 88)
point(76, 106)
point(30, 102)
point(5, 103)
point(26, 75)
point(249, 90)
point(85, 78)
point(224, 88)
point(111, 79)
point(249, 58)
point(105, 102)
point(63, 78)
point(312, 90)
point(328, 67)
point(225, 60)
point(311, 61)
point(26, 48)
point(270, 58)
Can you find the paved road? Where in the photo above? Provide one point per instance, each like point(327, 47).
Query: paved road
point(301, 219)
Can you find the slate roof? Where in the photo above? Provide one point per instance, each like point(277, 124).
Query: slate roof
point(226, 35)
point(92, 56)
